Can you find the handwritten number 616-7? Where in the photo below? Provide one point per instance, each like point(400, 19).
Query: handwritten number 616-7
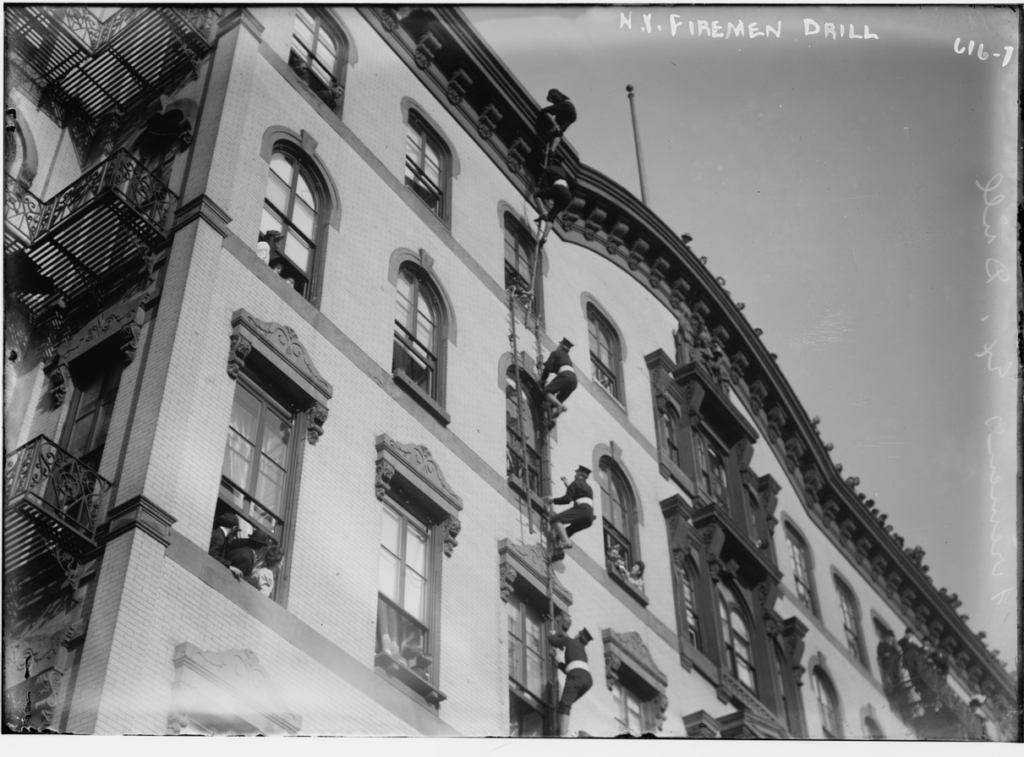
point(982, 55)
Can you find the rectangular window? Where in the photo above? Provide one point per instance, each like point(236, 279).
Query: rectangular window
point(528, 669)
point(404, 606)
point(632, 714)
point(91, 410)
point(257, 459)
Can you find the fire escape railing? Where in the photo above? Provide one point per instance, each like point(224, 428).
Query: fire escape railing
point(92, 73)
point(85, 237)
point(916, 686)
point(54, 490)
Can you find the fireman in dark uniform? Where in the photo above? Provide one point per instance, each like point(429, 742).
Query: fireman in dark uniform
point(577, 674)
point(556, 186)
point(553, 120)
point(564, 383)
point(578, 517)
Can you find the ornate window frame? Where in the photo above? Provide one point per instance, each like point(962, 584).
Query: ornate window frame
point(413, 112)
point(522, 571)
point(820, 672)
point(409, 479)
point(844, 590)
point(421, 265)
point(596, 315)
point(330, 24)
point(302, 146)
point(628, 661)
point(788, 528)
point(609, 457)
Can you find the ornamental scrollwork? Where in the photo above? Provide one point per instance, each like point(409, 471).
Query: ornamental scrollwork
point(60, 380)
point(317, 419)
point(239, 351)
point(507, 576)
point(612, 663)
point(450, 528)
point(382, 484)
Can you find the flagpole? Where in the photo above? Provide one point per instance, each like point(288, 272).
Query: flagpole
point(639, 149)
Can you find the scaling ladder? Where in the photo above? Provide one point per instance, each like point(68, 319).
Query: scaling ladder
point(526, 300)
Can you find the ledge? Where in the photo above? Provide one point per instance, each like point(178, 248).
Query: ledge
point(631, 590)
point(406, 680)
point(401, 378)
point(690, 657)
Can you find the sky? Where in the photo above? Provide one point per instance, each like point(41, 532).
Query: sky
point(857, 190)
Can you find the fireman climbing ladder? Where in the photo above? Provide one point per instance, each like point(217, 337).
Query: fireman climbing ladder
point(526, 299)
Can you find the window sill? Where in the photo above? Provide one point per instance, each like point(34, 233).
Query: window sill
point(690, 657)
point(408, 681)
point(516, 484)
point(401, 378)
point(631, 590)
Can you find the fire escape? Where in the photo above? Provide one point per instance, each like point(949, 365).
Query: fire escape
point(916, 686)
point(75, 252)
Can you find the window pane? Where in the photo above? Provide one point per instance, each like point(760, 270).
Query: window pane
point(634, 723)
point(297, 251)
point(281, 166)
point(405, 295)
point(303, 191)
point(425, 323)
point(387, 582)
point(237, 459)
point(304, 34)
point(304, 218)
point(270, 485)
point(276, 432)
point(414, 586)
point(270, 221)
point(416, 550)
point(277, 193)
point(534, 673)
point(306, 18)
point(390, 531)
point(327, 47)
point(79, 441)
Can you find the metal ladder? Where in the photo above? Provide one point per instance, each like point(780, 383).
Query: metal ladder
point(526, 300)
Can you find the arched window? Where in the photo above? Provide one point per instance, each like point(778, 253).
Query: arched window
point(621, 543)
point(828, 705)
point(800, 559)
point(426, 165)
point(670, 434)
point(318, 54)
point(688, 584)
point(739, 657)
point(291, 222)
point(418, 332)
point(605, 353)
point(524, 465)
point(872, 731)
point(851, 620)
point(711, 466)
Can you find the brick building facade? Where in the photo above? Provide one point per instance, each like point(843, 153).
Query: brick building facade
point(258, 263)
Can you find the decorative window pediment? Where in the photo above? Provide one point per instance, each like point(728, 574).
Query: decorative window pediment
point(412, 468)
point(227, 692)
point(706, 401)
point(122, 322)
point(523, 570)
point(277, 351)
point(626, 657)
